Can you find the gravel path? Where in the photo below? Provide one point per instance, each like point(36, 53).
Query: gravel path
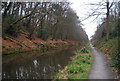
point(100, 68)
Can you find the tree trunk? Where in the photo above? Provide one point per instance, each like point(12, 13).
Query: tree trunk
point(32, 12)
point(5, 12)
point(107, 28)
point(107, 21)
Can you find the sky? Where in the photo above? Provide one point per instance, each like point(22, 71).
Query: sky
point(82, 8)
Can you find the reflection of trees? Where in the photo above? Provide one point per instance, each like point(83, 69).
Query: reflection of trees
point(39, 67)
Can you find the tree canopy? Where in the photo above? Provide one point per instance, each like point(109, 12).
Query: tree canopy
point(46, 20)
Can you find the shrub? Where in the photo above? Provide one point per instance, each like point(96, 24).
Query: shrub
point(12, 30)
point(84, 50)
point(75, 69)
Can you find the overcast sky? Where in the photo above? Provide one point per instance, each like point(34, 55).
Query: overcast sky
point(82, 9)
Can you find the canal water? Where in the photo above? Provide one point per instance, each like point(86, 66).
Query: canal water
point(35, 65)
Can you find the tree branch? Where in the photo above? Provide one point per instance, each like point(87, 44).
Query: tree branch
point(93, 13)
point(25, 15)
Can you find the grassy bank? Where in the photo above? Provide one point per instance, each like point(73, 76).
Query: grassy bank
point(22, 50)
point(78, 68)
point(110, 48)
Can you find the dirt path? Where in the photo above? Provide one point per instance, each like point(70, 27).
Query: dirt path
point(100, 68)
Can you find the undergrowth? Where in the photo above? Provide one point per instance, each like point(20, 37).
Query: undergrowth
point(111, 48)
point(78, 68)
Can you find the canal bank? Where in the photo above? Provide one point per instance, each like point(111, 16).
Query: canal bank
point(21, 44)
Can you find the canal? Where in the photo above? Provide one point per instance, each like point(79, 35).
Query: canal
point(35, 65)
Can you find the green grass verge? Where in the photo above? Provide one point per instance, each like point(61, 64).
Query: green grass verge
point(14, 51)
point(19, 50)
point(78, 68)
point(110, 48)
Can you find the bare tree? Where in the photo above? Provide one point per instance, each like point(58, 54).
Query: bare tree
point(55, 20)
point(106, 5)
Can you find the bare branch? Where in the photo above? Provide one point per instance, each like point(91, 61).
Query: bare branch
point(95, 18)
point(95, 12)
point(111, 5)
point(26, 15)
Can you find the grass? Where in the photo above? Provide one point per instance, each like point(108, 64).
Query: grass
point(46, 46)
point(78, 68)
point(111, 49)
point(85, 49)
point(14, 51)
point(18, 50)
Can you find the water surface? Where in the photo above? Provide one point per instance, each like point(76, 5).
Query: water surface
point(33, 65)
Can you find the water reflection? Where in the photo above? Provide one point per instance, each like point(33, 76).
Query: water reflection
point(36, 67)
point(35, 63)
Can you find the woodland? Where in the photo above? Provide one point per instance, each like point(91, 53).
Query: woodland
point(44, 26)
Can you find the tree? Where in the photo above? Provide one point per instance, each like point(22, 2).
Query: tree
point(109, 23)
point(54, 20)
point(107, 5)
